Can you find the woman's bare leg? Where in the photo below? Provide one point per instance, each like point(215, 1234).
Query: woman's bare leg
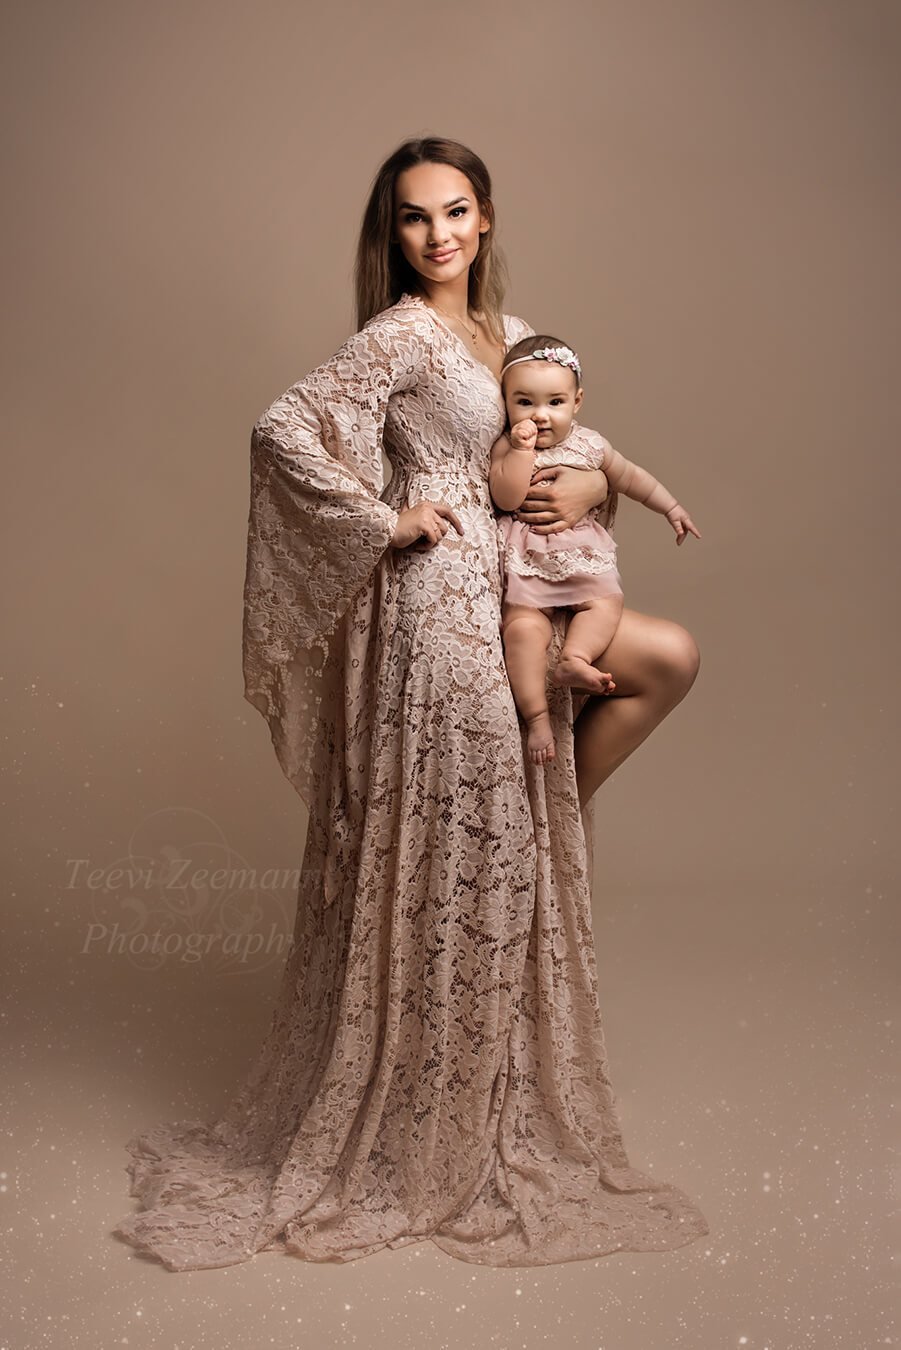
point(654, 663)
point(589, 633)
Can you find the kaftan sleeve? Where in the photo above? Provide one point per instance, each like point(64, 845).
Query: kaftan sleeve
point(317, 528)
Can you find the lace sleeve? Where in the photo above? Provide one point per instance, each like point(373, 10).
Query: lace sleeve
point(317, 526)
point(519, 329)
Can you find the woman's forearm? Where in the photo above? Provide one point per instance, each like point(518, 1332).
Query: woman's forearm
point(598, 479)
point(569, 495)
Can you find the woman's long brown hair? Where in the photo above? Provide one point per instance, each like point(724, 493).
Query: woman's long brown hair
point(382, 273)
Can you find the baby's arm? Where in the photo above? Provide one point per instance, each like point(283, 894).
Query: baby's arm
point(512, 462)
point(635, 482)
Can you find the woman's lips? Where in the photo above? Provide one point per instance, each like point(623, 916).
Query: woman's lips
point(441, 257)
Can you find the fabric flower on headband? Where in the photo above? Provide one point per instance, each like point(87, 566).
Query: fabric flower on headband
point(564, 356)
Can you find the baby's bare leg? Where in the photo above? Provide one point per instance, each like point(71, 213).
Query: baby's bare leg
point(588, 634)
point(526, 634)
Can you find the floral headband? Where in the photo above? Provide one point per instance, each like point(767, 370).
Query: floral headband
point(564, 356)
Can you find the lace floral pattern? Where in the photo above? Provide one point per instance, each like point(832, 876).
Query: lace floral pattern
point(584, 550)
point(563, 563)
point(586, 449)
point(435, 1067)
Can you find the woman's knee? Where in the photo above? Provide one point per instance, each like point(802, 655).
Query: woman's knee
point(675, 655)
point(650, 655)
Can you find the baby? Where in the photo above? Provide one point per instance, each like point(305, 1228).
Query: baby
point(572, 568)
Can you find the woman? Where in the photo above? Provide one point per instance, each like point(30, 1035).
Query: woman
point(435, 1067)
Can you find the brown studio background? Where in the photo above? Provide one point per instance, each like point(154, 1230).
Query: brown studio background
point(702, 199)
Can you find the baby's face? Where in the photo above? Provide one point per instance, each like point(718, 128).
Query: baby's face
point(546, 392)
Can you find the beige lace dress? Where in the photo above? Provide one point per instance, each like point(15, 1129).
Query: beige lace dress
point(435, 1066)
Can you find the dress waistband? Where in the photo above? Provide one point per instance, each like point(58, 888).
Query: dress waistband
point(457, 483)
point(440, 471)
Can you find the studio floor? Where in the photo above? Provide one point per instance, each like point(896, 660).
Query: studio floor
point(757, 1079)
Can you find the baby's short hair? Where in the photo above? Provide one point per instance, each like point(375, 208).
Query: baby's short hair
point(533, 343)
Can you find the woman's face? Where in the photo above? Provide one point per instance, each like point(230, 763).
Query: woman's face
point(437, 221)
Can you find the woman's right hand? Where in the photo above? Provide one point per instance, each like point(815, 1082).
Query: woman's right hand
point(559, 495)
point(424, 525)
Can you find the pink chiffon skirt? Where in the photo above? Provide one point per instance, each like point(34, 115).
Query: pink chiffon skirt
point(559, 569)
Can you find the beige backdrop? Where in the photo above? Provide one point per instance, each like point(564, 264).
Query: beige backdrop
point(703, 199)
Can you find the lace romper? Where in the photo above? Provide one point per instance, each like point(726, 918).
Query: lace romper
point(567, 567)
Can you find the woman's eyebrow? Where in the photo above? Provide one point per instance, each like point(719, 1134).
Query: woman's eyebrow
point(447, 205)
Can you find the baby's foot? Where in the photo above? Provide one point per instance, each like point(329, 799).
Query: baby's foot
point(580, 674)
point(541, 738)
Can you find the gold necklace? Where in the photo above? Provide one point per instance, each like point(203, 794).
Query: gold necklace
point(474, 336)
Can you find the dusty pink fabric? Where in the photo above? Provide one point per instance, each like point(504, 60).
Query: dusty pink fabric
point(435, 1066)
point(564, 567)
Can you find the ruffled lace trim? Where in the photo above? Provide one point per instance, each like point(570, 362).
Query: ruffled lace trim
point(560, 564)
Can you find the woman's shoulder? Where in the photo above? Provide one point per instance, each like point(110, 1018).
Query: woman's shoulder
point(401, 329)
point(517, 328)
point(404, 313)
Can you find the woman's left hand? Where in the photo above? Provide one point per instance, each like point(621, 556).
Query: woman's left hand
point(560, 495)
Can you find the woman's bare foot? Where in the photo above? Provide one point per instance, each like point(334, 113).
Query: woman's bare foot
point(541, 738)
point(579, 674)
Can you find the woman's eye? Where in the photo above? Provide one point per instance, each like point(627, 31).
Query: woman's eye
point(417, 215)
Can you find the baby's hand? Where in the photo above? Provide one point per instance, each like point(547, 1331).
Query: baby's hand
point(524, 435)
point(682, 522)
